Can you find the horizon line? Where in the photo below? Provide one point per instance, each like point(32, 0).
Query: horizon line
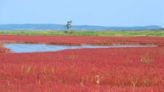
point(79, 25)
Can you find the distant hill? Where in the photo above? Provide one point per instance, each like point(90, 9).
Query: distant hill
point(75, 27)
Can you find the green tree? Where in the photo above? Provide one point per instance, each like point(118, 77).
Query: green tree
point(69, 26)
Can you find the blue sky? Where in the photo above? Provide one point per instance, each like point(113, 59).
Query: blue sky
point(83, 12)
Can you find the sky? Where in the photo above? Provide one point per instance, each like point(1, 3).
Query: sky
point(83, 12)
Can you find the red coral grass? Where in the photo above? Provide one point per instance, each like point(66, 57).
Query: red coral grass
point(84, 70)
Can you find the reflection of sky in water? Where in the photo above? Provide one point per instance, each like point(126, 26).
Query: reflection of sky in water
point(45, 48)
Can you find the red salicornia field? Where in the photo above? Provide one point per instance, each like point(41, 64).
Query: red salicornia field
point(129, 69)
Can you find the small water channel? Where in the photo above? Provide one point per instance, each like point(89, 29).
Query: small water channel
point(24, 47)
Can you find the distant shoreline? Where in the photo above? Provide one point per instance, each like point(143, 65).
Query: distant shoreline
point(74, 27)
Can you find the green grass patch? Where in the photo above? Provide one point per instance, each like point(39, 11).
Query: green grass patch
point(86, 33)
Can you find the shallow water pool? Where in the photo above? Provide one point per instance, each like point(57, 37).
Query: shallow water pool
point(24, 47)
